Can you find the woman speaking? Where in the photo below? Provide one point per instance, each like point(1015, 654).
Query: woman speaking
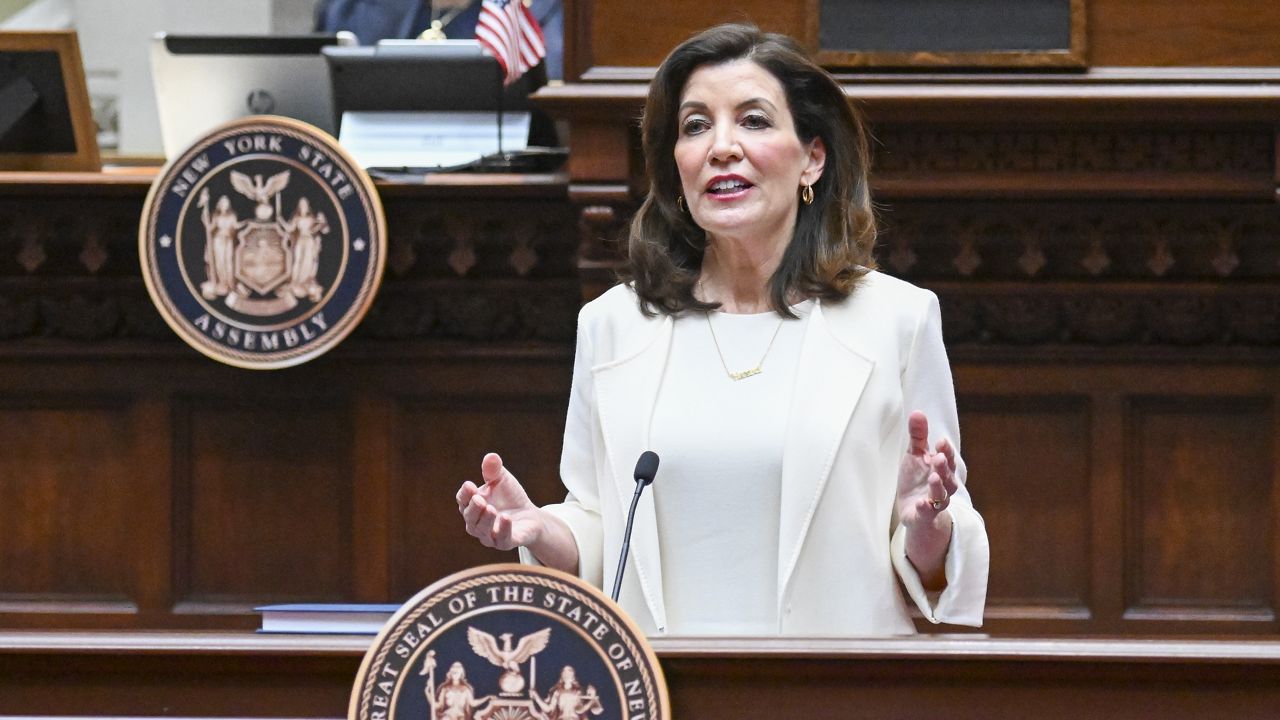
point(801, 401)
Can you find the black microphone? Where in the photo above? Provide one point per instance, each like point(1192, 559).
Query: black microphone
point(646, 469)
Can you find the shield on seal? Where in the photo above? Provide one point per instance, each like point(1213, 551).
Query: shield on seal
point(261, 262)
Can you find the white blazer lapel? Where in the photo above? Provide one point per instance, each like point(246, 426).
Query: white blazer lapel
point(626, 392)
point(829, 381)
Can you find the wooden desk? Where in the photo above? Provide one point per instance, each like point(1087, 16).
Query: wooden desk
point(245, 675)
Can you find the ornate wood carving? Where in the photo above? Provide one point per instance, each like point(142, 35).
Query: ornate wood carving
point(1082, 274)
point(1074, 149)
point(604, 212)
point(78, 279)
point(1118, 320)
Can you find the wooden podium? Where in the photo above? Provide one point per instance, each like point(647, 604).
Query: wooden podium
point(954, 677)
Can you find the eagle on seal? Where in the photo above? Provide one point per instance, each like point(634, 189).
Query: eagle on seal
point(507, 657)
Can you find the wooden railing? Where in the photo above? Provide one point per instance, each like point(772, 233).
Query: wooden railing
point(243, 675)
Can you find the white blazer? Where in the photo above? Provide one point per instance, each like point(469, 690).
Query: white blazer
point(865, 364)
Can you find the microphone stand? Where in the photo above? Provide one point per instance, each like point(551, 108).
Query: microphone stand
point(646, 471)
point(626, 541)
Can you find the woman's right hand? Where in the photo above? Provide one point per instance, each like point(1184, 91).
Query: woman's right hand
point(499, 513)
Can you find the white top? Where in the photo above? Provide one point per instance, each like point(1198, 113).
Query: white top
point(842, 569)
point(718, 492)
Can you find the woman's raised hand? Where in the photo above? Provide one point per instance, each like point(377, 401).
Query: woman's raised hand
point(926, 482)
point(499, 512)
point(926, 478)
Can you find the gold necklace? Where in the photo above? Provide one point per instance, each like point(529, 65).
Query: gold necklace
point(742, 374)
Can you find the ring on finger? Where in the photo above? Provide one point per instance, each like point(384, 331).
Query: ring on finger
point(937, 504)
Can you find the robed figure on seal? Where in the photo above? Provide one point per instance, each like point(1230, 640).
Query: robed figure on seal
point(220, 228)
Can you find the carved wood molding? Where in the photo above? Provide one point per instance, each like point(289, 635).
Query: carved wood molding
point(1035, 242)
point(478, 270)
point(1119, 318)
point(1247, 150)
point(483, 269)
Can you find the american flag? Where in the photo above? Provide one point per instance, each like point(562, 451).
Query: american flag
point(510, 33)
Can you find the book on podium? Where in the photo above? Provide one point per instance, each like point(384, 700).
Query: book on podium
point(326, 618)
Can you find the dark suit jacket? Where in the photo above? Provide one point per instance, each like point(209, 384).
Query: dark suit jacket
point(374, 20)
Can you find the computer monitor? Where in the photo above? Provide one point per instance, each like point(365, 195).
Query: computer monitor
point(202, 81)
point(440, 75)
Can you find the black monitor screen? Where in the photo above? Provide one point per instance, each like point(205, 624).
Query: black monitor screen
point(448, 76)
point(34, 114)
point(424, 76)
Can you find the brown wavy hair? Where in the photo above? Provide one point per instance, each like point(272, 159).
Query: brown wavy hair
point(831, 247)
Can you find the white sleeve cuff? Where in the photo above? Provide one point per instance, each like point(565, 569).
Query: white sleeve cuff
point(584, 525)
point(966, 567)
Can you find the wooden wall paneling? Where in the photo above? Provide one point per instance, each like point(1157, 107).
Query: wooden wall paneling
point(152, 517)
point(479, 268)
point(65, 491)
point(1184, 32)
point(370, 509)
point(1166, 33)
point(578, 48)
point(641, 34)
point(1105, 325)
point(265, 495)
point(602, 151)
point(602, 233)
point(1276, 160)
point(442, 433)
point(1201, 496)
point(1031, 462)
point(1180, 529)
point(606, 153)
point(864, 35)
point(1109, 440)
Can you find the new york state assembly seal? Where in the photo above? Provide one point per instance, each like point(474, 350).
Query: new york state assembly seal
point(509, 642)
point(263, 244)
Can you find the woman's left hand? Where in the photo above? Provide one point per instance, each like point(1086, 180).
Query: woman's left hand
point(926, 483)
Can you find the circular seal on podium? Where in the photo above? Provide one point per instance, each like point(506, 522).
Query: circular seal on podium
point(263, 244)
point(510, 642)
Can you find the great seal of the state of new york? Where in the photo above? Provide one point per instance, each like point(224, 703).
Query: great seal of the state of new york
point(510, 642)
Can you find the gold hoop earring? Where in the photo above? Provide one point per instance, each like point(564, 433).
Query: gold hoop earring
point(807, 194)
point(680, 202)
